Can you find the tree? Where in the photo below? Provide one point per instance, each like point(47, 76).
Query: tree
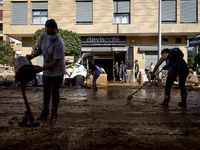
point(191, 56)
point(197, 59)
point(71, 40)
point(7, 53)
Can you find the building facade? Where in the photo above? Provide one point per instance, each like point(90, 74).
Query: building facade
point(17, 45)
point(110, 30)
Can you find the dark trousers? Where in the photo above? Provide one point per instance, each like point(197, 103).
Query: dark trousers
point(182, 71)
point(51, 86)
point(116, 73)
point(136, 73)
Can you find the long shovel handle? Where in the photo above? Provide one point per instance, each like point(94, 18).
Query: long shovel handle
point(145, 84)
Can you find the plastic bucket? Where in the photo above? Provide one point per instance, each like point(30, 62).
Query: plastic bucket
point(24, 69)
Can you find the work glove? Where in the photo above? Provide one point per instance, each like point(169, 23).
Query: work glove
point(30, 56)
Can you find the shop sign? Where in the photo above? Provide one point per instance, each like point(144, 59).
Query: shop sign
point(103, 41)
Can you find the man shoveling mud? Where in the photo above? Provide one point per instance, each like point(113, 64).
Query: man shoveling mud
point(176, 65)
point(52, 47)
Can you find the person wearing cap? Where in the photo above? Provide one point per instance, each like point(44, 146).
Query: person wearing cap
point(52, 47)
point(136, 68)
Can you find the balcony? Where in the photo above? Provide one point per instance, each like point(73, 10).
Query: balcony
point(1, 19)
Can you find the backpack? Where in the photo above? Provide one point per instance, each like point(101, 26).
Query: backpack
point(176, 55)
point(99, 69)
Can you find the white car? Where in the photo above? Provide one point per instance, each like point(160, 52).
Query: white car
point(79, 73)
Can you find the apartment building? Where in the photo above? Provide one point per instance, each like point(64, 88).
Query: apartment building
point(17, 46)
point(110, 30)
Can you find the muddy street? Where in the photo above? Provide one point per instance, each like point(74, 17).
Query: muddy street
point(102, 119)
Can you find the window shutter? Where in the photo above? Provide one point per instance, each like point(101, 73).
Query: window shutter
point(115, 7)
point(83, 12)
point(169, 10)
point(39, 5)
point(19, 14)
point(188, 11)
point(123, 7)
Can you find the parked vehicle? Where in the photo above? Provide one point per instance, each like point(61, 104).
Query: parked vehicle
point(75, 71)
point(78, 72)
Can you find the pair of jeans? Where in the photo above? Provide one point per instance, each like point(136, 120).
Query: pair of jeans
point(182, 72)
point(51, 86)
point(96, 74)
point(121, 75)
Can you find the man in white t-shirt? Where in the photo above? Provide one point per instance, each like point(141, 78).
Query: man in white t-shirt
point(151, 68)
point(52, 47)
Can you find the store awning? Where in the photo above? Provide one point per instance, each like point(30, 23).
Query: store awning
point(155, 48)
point(96, 49)
point(103, 49)
point(120, 48)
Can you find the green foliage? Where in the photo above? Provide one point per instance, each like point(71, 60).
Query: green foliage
point(197, 59)
point(7, 53)
point(36, 37)
point(191, 56)
point(71, 40)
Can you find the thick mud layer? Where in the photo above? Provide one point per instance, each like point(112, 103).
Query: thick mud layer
point(102, 119)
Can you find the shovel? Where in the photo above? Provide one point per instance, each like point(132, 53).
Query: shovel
point(130, 96)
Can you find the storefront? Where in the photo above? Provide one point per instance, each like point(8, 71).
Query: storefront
point(151, 54)
point(106, 51)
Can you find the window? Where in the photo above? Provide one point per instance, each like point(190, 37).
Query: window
point(168, 11)
point(18, 43)
point(19, 13)
point(121, 12)
point(39, 12)
point(84, 12)
point(188, 11)
point(165, 39)
point(178, 41)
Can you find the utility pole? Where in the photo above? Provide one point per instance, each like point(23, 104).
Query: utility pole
point(197, 67)
point(159, 39)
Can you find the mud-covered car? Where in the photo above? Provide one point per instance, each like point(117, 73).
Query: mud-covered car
point(78, 73)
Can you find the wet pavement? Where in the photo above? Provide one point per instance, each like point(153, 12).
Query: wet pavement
point(102, 119)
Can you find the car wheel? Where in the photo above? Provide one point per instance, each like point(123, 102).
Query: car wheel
point(32, 82)
point(79, 79)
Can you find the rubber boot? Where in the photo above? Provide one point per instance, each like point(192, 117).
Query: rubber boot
point(183, 103)
point(53, 117)
point(44, 114)
point(166, 101)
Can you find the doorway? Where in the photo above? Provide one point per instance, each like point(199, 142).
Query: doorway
point(107, 65)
